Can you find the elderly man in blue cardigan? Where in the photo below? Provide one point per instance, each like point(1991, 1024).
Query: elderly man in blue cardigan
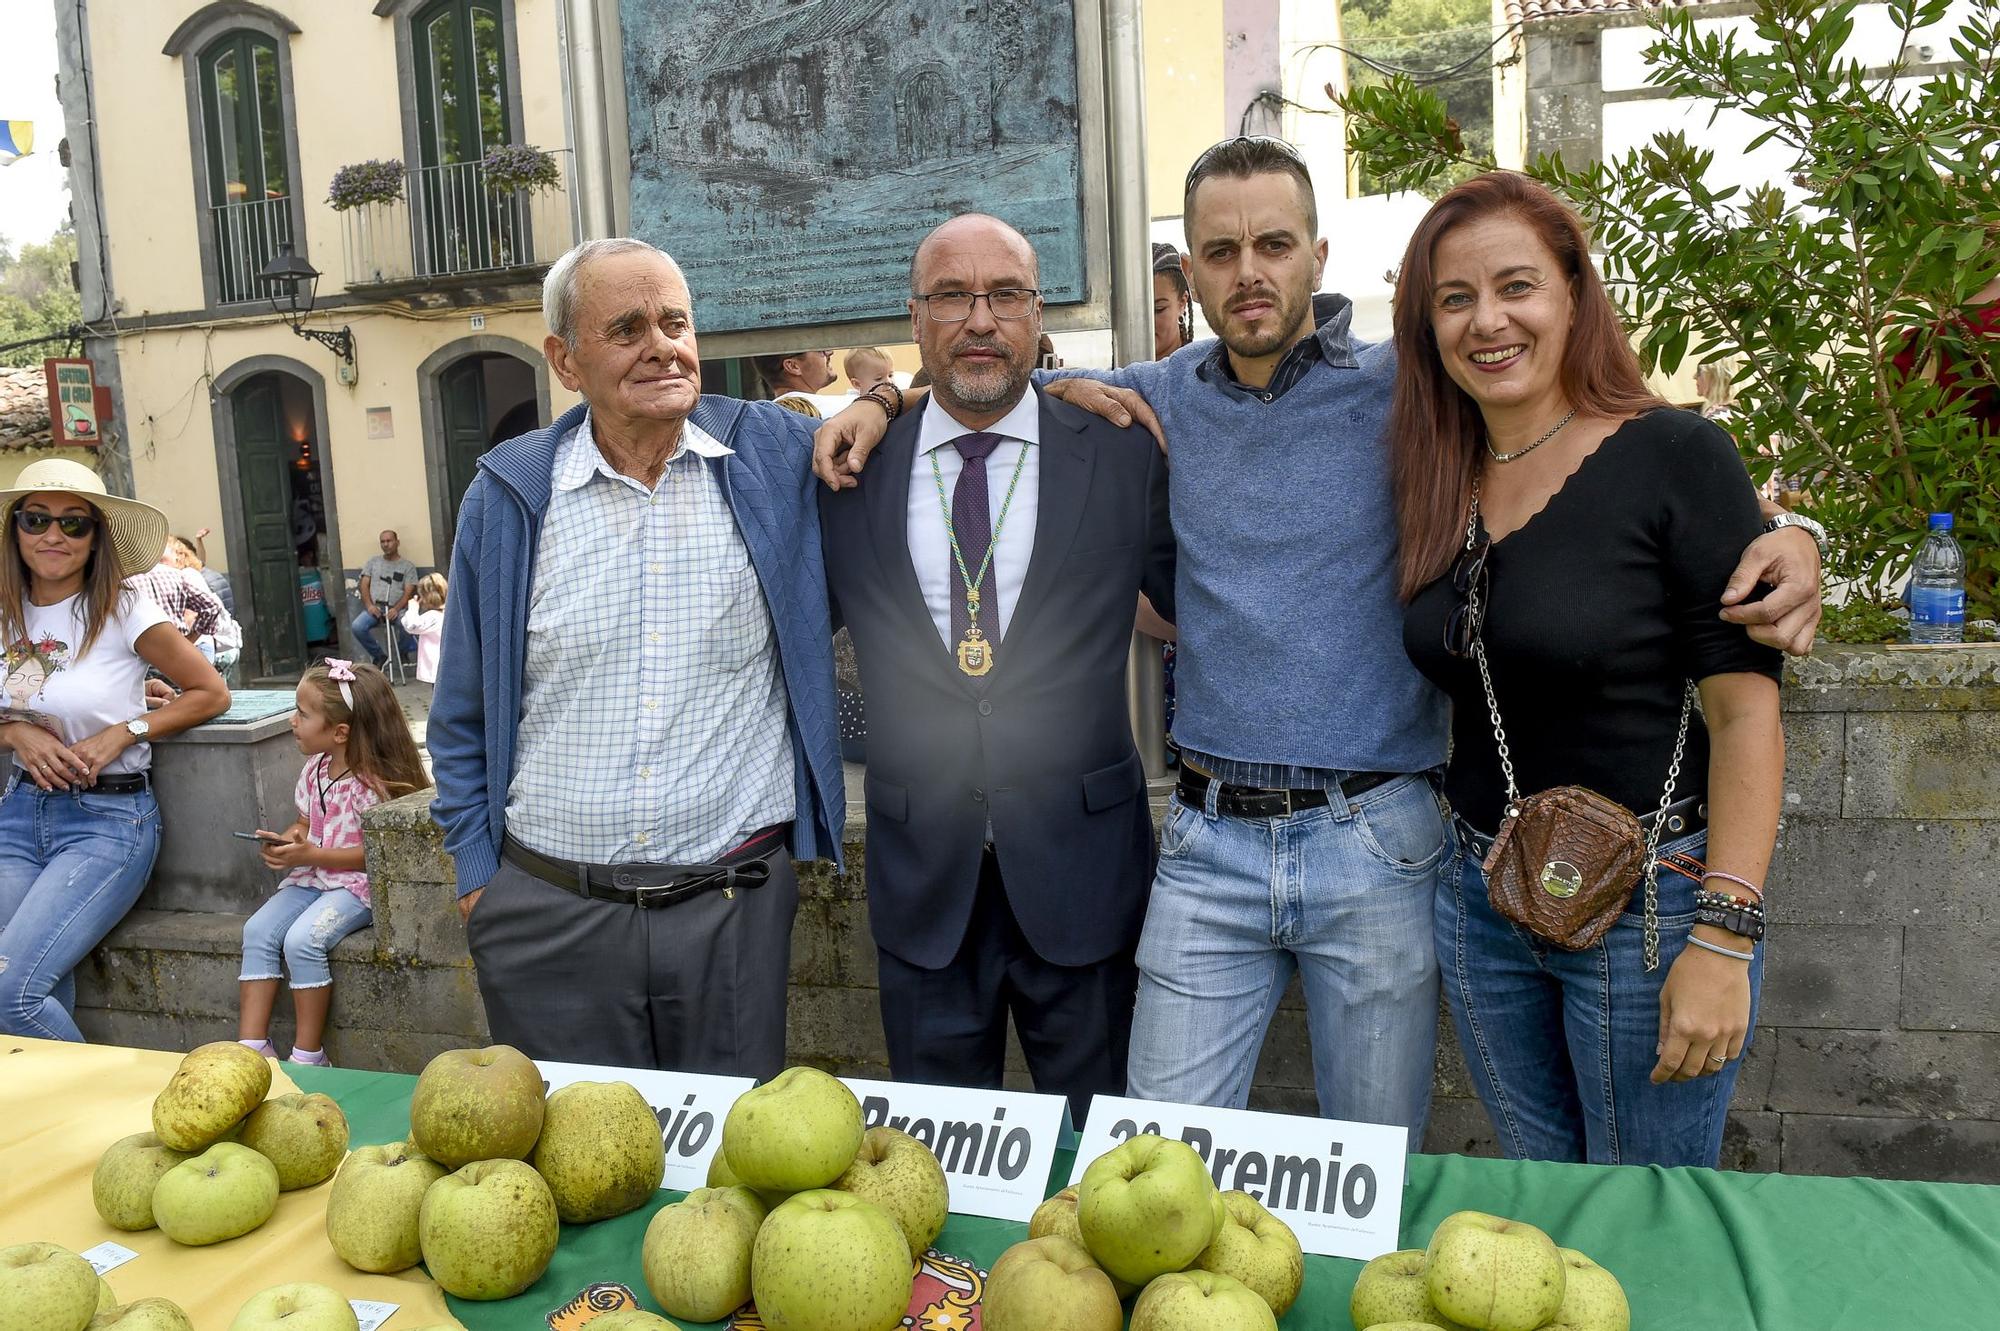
point(634, 732)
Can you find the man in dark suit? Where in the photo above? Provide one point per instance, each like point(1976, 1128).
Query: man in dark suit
point(989, 567)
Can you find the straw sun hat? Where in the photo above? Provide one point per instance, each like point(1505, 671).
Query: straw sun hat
point(138, 531)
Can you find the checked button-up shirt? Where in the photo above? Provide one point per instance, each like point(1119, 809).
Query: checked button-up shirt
point(653, 713)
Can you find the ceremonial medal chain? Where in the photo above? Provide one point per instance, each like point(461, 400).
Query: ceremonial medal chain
point(975, 653)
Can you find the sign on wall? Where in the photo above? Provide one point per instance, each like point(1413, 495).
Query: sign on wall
point(791, 155)
point(74, 415)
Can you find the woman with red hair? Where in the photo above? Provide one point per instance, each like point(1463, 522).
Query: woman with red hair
point(1565, 541)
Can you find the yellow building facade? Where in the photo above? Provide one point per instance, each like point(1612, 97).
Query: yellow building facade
point(215, 132)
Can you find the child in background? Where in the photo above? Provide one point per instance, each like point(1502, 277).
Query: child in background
point(423, 619)
point(359, 753)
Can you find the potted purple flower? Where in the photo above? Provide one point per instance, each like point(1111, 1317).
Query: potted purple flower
point(364, 183)
point(523, 167)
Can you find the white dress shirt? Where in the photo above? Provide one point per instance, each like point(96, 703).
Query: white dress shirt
point(930, 549)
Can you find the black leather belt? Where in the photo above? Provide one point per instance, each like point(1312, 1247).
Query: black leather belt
point(1262, 802)
point(123, 783)
point(656, 886)
point(1684, 818)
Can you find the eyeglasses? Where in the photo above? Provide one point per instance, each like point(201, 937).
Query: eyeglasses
point(1261, 140)
point(76, 526)
point(950, 307)
point(1468, 571)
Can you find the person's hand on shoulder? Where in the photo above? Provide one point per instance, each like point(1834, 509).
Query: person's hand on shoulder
point(1120, 406)
point(841, 446)
point(1788, 616)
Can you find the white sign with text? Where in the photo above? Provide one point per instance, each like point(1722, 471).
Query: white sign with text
point(689, 1105)
point(997, 1147)
point(1338, 1185)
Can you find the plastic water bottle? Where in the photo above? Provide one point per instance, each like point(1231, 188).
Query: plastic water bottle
point(1937, 586)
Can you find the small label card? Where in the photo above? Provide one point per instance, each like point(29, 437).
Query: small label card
point(997, 1147)
point(107, 1257)
point(689, 1105)
point(371, 1313)
point(1338, 1185)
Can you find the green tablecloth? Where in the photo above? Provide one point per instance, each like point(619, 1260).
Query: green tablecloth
point(1695, 1248)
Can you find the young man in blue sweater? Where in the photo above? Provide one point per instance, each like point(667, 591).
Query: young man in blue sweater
point(1306, 835)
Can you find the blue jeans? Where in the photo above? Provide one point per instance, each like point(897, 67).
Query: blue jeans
point(304, 924)
point(1341, 895)
point(71, 864)
point(364, 633)
point(1562, 1044)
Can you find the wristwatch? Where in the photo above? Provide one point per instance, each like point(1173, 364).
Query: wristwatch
point(139, 729)
point(1803, 523)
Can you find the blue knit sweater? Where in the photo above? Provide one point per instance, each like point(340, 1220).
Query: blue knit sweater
point(476, 708)
point(1291, 636)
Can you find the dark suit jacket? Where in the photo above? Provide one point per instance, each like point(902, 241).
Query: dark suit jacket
point(1042, 744)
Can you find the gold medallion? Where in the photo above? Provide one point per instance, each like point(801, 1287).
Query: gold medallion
point(975, 654)
point(1561, 879)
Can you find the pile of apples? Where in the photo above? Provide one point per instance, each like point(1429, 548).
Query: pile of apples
point(817, 1220)
point(1484, 1272)
point(1147, 1219)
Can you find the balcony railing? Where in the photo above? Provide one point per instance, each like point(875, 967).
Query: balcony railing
point(452, 223)
point(247, 236)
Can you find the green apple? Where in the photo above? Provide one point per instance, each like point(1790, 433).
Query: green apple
point(107, 1298)
point(1147, 1207)
point(696, 1254)
point(1049, 1284)
point(226, 1191)
point(1056, 1218)
point(631, 1319)
point(122, 1186)
point(798, 1131)
point(477, 1104)
point(1392, 1289)
point(144, 1315)
point(899, 1174)
point(211, 1090)
point(1593, 1300)
point(600, 1150)
point(1404, 1326)
point(44, 1287)
point(303, 1135)
point(1200, 1301)
point(371, 1211)
point(1493, 1273)
point(489, 1230)
point(302, 1306)
point(828, 1261)
point(1258, 1249)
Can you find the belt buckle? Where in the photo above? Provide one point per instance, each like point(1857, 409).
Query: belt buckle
point(1286, 796)
point(644, 895)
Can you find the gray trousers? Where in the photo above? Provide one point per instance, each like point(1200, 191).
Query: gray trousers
point(696, 987)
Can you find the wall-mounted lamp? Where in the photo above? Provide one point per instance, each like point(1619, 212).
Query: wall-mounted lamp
point(294, 284)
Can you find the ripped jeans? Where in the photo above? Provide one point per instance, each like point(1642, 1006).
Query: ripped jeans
point(304, 923)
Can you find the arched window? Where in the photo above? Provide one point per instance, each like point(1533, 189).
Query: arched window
point(238, 62)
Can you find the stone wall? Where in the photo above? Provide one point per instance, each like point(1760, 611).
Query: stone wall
point(1878, 1044)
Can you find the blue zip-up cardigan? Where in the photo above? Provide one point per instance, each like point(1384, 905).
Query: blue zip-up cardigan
point(476, 707)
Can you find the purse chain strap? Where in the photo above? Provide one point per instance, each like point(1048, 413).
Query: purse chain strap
point(1652, 875)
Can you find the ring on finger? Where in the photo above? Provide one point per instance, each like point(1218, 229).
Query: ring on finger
point(1717, 1059)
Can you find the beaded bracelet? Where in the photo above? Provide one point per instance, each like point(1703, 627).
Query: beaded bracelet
point(1722, 901)
point(1722, 951)
point(1732, 878)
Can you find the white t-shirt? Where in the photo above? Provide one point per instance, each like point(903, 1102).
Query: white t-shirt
point(105, 688)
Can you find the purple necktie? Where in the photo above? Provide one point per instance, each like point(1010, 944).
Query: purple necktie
point(972, 520)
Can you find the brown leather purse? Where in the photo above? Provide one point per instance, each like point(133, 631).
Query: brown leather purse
point(1566, 859)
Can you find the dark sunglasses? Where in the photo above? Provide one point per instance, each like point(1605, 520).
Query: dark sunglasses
point(1461, 627)
point(76, 526)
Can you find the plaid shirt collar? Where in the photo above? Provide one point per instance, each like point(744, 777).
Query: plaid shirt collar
point(580, 458)
point(1329, 341)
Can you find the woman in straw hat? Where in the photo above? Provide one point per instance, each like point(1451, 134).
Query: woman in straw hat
point(78, 825)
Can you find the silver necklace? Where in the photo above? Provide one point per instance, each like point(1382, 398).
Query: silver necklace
point(1554, 430)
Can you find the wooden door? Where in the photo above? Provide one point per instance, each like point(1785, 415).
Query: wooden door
point(263, 467)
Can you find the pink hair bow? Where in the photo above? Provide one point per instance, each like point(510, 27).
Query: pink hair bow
point(342, 673)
